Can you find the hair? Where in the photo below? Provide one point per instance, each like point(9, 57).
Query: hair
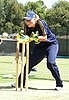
point(37, 16)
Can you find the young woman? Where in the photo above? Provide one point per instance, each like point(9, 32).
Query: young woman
point(47, 46)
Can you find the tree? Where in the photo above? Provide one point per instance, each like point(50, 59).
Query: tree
point(2, 16)
point(58, 17)
point(38, 7)
point(12, 12)
point(11, 15)
point(8, 26)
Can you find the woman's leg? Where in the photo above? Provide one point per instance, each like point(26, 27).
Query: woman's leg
point(34, 58)
point(51, 64)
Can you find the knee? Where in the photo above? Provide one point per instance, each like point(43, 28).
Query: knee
point(49, 65)
point(52, 66)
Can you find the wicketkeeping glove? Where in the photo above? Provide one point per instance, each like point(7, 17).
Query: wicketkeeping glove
point(34, 37)
point(23, 38)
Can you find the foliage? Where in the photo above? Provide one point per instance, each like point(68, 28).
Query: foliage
point(12, 16)
point(37, 7)
point(12, 12)
point(58, 17)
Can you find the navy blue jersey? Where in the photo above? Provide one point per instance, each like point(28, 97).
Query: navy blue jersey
point(42, 29)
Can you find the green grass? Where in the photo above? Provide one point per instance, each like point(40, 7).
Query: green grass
point(44, 73)
point(7, 67)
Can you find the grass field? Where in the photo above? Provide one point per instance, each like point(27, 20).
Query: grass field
point(8, 67)
point(41, 83)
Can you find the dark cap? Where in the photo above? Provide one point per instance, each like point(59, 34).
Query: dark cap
point(30, 15)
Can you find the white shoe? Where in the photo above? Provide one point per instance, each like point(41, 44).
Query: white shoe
point(58, 88)
point(13, 84)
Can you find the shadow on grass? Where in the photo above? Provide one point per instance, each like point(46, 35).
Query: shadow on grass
point(6, 87)
point(39, 78)
point(32, 88)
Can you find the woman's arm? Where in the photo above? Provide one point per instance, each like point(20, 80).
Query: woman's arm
point(42, 38)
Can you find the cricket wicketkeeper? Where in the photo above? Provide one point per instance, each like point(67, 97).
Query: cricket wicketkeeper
point(45, 44)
